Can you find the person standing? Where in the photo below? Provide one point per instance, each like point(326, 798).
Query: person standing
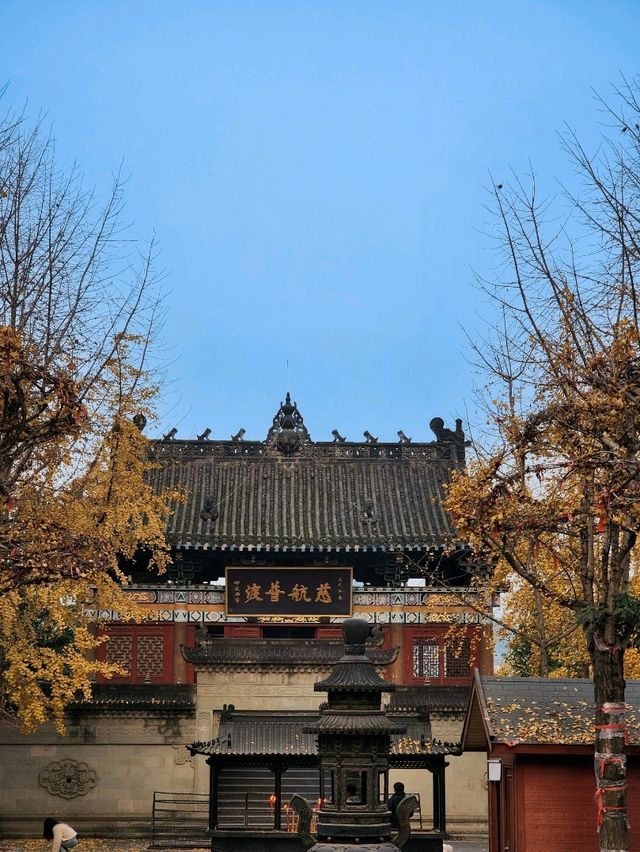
point(63, 837)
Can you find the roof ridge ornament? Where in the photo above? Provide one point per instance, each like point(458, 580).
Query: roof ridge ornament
point(443, 434)
point(455, 439)
point(288, 431)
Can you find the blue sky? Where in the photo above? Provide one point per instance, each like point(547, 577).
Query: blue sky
point(316, 175)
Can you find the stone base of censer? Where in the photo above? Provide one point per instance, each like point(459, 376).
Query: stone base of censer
point(385, 846)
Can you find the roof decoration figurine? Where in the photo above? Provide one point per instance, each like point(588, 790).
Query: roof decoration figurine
point(324, 485)
point(139, 421)
point(209, 510)
point(288, 431)
point(444, 435)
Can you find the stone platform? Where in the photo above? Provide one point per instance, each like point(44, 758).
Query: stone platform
point(283, 841)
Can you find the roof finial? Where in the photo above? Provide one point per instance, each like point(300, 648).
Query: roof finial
point(288, 431)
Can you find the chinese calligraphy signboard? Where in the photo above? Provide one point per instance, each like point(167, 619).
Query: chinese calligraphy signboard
point(288, 591)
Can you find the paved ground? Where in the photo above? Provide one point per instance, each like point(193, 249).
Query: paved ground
point(85, 844)
point(93, 844)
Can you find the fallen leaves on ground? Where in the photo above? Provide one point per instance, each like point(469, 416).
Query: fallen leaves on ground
point(85, 844)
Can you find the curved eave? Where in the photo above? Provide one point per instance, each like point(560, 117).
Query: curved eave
point(353, 723)
point(405, 755)
point(248, 653)
point(357, 675)
point(407, 747)
point(388, 546)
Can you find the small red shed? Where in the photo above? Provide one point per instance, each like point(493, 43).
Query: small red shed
point(538, 736)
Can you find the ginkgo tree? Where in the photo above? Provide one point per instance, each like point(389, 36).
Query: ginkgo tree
point(540, 638)
point(552, 507)
point(78, 318)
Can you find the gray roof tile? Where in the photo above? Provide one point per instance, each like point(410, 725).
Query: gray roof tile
point(237, 652)
point(546, 710)
point(247, 495)
point(245, 733)
point(429, 699)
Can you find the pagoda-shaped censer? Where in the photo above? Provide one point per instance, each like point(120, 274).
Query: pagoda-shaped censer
point(354, 738)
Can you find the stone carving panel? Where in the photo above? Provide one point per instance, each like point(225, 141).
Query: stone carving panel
point(182, 756)
point(68, 778)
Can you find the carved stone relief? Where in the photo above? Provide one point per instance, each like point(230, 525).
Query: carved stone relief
point(68, 778)
point(182, 755)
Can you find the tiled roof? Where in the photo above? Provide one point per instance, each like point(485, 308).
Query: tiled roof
point(137, 697)
point(332, 722)
point(429, 699)
point(270, 733)
point(354, 674)
point(540, 711)
point(409, 746)
point(250, 653)
point(261, 733)
point(255, 495)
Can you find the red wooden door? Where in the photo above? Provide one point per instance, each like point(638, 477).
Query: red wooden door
point(555, 804)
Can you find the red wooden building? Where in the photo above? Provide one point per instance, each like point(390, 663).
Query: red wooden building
point(276, 542)
point(538, 737)
point(304, 510)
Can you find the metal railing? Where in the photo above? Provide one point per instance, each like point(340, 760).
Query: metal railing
point(180, 819)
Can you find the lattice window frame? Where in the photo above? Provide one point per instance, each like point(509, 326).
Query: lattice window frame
point(425, 658)
point(457, 659)
point(151, 652)
point(455, 656)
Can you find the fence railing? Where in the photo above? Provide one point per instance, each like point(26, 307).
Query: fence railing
point(180, 819)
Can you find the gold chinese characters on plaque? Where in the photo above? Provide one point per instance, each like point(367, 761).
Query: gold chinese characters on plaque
point(289, 592)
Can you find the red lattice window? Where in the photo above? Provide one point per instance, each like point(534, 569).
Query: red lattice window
point(119, 649)
point(145, 652)
point(426, 659)
point(150, 657)
point(457, 659)
point(433, 655)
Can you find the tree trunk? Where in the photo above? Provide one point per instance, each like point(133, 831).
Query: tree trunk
point(544, 656)
point(610, 756)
